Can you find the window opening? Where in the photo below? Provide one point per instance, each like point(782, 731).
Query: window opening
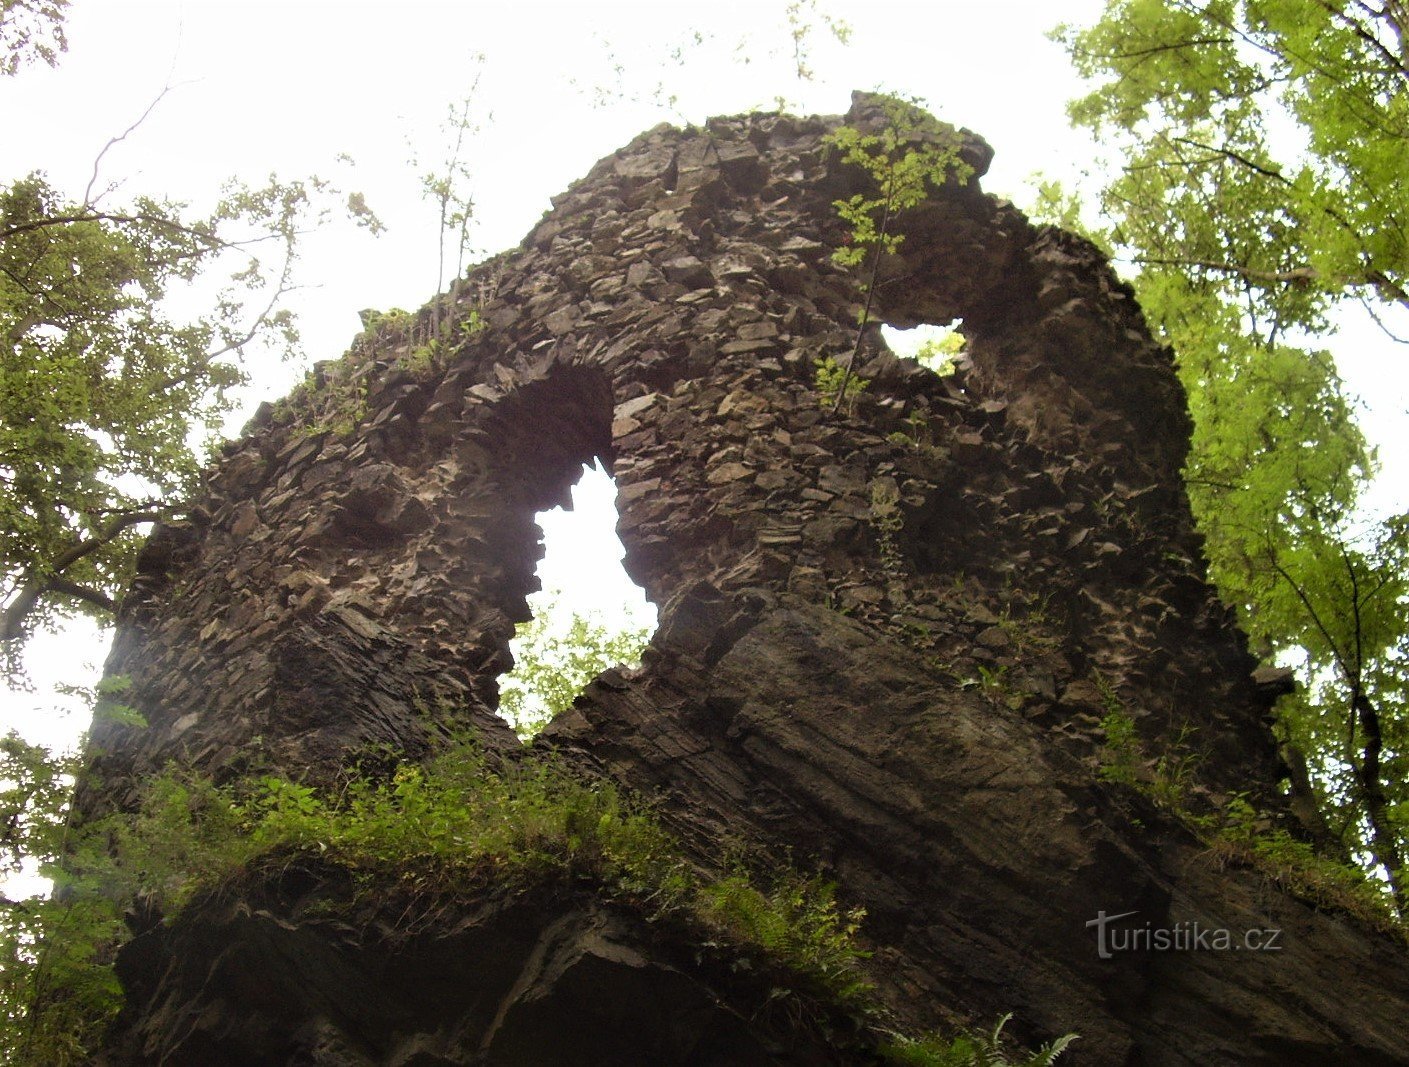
point(587, 617)
point(935, 347)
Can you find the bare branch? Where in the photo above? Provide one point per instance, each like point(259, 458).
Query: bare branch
point(98, 160)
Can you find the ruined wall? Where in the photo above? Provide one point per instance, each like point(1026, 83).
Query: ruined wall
point(885, 633)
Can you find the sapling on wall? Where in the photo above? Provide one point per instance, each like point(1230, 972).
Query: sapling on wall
point(910, 154)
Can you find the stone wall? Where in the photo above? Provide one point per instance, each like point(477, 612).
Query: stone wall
point(888, 634)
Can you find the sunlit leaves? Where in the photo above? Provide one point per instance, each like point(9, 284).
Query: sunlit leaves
point(1263, 148)
point(1287, 120)
point(102, 388)
point(556, 655)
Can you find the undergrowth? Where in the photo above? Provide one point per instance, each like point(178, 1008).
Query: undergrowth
point(970, 1050)
point(452, 827)
point(1235, 832)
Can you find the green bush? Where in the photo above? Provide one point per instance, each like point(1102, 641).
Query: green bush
point(836, 385)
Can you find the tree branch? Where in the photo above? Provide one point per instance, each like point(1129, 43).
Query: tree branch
point(1396, 64)
point(35, 588)
point(96, 597)
point(97, 161)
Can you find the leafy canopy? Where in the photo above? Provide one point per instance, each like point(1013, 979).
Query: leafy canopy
point(1264, 144)
point(1267, 142)
point(31, 30)
point(103, 386)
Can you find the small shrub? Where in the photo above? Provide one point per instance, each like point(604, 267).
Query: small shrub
point(887, 522)
point(1241, 834)
point(836, 385)
point(797, 924)
point(971, 1050)
point(1121, 757)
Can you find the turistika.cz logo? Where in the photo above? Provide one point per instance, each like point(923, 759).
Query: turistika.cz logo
point(1187, 936)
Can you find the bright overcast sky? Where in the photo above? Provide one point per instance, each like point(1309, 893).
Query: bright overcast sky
point(288, 86)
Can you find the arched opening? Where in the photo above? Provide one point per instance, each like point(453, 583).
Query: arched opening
point(588, 615)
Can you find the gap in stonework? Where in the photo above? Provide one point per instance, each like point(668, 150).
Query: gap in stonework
point(588, 616)
point(934, 347)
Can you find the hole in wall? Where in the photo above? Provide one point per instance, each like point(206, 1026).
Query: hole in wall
point(588, 615)
point(934, 347)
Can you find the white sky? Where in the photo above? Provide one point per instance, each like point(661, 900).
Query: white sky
point(286, 86)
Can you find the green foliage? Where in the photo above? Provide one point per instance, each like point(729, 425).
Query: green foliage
point(1024, 619)
point(796, 923)
point(30, 31)
point(108, 707)
point(1302, 213)
point(887, 521)
point(803, 16)
point(556, 657)
point(835, 385)
point(444, 829)
point(911, 154)
point(939, 353)
point(101, 387)
point(57, 991)
point(1121, 757)
point(333, 397)
point(1241, 835)
point(1262, 144)
point(993, 681)
point(971, 1050)
point(448, 188)
point(1238, 833)
point(419, 349)
point(391, 321)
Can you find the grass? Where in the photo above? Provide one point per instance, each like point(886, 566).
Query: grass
point(451, 828)
point(1238, 834)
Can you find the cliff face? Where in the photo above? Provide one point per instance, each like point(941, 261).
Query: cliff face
point(887, 641)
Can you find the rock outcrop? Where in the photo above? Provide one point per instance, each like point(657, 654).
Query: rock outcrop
point(888, 637)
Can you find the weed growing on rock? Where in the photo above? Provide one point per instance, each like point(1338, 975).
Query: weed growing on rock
point(919, 436)
point(1121, 758)
point(836, 385)
point(1237, 833)
point(1241, 835)
point(887, 522)
point(971, 1050)
point(798, 920)
point(454, 826)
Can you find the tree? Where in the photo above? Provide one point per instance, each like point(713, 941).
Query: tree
point(31, 30)
point(911, 153)
point(1263, 145)
point(55, 995)
point(557, 655)
point(449, 189)
point(102, 387)
point(1286, 121)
